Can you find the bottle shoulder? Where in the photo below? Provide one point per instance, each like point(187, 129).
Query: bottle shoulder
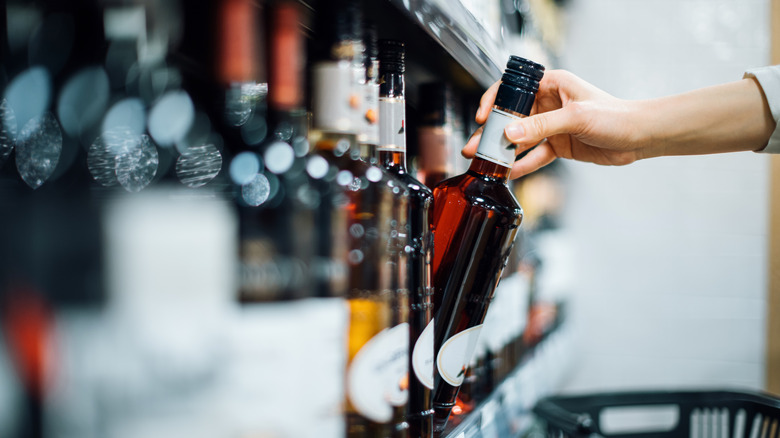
point(477, 192)
point(412, 184)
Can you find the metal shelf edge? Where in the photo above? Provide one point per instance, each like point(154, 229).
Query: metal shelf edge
point(455, 29)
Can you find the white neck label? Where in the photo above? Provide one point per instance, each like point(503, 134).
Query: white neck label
point(392, 124)
point(494, 146)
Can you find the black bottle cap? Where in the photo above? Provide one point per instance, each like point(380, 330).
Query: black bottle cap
point(338, 21)
point(370, 40)
point(349, 19)
point(392, 55)
point(519, 84)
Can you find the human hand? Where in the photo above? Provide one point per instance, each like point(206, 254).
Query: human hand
point(572, 119)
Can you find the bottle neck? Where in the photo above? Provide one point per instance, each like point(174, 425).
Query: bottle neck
point(489, 170)
point(286, 48)
point(391, 85)
point(493, 145)
point(392, 121)
point(394, 160)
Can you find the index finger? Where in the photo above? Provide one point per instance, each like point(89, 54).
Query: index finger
point(486, 102)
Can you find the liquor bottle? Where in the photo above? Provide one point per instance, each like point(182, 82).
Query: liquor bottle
point(277, 217)
point(475, 218)
point(392, 157)
point(369, 120)
point(399, 243)
point(285, 282)
point(434, 134)
point(378, 332)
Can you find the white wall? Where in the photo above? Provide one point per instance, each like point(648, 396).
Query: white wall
point(669, 255)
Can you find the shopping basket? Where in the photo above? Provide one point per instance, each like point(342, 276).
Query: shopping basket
point(662, 414)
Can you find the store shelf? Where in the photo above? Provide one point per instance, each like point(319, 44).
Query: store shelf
point(455, 29)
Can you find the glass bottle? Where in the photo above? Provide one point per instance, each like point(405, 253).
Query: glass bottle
point(400, 239)
point(292, 321)
point(378, 331)
point(277, 211)
point(392, 157)
point(476, 218)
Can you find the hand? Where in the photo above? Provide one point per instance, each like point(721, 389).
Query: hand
point(573, 119)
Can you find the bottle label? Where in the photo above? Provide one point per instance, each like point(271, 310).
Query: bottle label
point(332, 103)
point(370, 121)
point(422, 356)
point(494, 146)
point(455, 355)
point(392, 124)
point(378, 376)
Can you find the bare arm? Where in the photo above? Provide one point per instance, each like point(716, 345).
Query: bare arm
point(579, 121)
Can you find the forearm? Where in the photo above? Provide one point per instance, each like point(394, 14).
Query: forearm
point(724, 118)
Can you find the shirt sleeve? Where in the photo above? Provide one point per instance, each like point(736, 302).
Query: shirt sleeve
point(769, 79)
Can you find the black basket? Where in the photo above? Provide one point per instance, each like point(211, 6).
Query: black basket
point(721, 414)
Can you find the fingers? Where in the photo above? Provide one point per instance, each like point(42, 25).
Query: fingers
point(536, 158)
point(486, 102)
point(531, 130)
point(470, 149)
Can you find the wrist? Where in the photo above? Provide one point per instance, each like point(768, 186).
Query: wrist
point(645, 136)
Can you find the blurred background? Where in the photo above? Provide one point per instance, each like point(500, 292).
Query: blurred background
point(135, 145)
point(669, 256)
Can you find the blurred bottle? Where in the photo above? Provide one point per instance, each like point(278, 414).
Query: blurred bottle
point(368, 138)
point(294, 313)
point(278, 201)
point(434, 134)
point(476, 219)
point(417, 263)
point(378, 329)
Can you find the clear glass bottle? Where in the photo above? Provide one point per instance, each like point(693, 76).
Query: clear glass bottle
point(419, 253)
point(476, 218)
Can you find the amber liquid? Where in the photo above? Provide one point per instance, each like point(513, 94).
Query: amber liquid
point(476, 219)
point(419, 279)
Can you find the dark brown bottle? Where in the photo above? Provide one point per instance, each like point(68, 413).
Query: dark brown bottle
point(392, 157)
point(476, 218)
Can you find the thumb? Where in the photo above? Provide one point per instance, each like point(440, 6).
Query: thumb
point(533, 129)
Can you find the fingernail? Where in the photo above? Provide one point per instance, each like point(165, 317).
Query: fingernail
point(476, 116)
point(514, 131)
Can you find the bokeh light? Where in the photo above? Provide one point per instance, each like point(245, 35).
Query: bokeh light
point(38, 149)
point(244, 167)
point(279, 157)
point(256, 191)
point(317, 167)
point(171, 118)
point(83, 100)
point(29, 94)
point(7, 130)
point(198, 165)
point(128, 113)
